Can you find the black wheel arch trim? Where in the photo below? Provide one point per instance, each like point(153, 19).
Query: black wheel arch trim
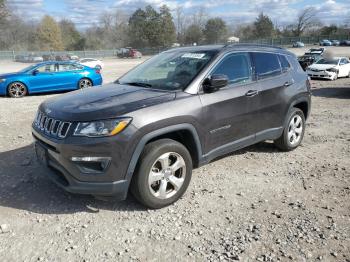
point(148, 137)
point(302, 99)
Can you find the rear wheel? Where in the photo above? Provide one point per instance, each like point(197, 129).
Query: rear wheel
point(293, 132)
point(17, 90)
point(84, 83)
point(163, 173)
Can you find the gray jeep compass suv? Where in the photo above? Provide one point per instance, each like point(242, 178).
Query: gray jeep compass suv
point(177, 111)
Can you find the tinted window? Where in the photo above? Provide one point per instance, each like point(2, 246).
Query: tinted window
point(68, 67)
point(344, 61)
point(236, 66)
point(266, 65)
point(284, 63)
point(47, 68)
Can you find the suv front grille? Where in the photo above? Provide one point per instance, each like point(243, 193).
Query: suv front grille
point(51, 126)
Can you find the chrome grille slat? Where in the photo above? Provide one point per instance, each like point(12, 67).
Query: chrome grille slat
point(52, 127)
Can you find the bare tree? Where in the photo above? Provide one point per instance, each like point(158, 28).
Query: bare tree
point(306, 19)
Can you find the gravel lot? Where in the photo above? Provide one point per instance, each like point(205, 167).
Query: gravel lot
point(256, 204)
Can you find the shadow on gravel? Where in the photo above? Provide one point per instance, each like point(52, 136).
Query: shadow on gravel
point(24, 185)
point(332, 92)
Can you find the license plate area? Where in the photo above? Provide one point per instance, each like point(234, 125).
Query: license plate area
point(41, 154)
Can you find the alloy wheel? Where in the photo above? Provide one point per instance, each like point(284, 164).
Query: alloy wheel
point(167, 175)
point(17, 90)
point(85, 83)
point(295, 130)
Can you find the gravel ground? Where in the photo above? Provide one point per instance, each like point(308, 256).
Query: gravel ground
point(256, 204)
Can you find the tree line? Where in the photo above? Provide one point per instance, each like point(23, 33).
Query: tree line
point(147, 27)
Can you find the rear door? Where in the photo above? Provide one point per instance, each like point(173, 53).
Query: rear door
point(230, 112)
point(69, 75)
point(273, 73)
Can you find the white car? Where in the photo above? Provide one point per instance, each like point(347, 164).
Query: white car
point(91, 62)
point(330, 68)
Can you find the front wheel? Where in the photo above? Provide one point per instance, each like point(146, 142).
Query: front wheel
point(84, 83)
point(293, 132)
point(17, 90)
point(163, 173)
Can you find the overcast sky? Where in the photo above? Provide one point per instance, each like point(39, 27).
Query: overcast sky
point(87, 12)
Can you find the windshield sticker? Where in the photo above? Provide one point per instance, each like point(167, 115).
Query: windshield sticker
point(193, 55)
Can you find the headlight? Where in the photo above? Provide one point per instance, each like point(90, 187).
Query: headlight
point(101, 128)
point(2, 80)
point(332, 70)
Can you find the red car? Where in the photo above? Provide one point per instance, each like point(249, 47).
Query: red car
point(129, 53)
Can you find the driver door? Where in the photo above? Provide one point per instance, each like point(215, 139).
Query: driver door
point(44, 78)
point(230, 113)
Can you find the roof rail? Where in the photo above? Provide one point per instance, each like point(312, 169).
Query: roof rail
point(251, 44)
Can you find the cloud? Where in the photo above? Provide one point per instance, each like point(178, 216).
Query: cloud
point(28, 9)
point(87, 12)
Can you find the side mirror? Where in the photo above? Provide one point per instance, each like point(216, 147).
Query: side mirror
point(35, 72)
point(214, 83)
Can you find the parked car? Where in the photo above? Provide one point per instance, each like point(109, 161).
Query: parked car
point(335, 42)
point(73, 57)
point(315, 51)
point(62, 58)
point(155, 124)
point(35, 59)
point(19, 58)
point(91, 62)
point(47, 77)
point(330, 68)
point(308, 59)
point(48, 57)
point(325, 42)
point(344, 43)
point(298, 44)
point(129, 53)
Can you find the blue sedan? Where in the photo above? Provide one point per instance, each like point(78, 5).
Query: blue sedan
point(49, 77)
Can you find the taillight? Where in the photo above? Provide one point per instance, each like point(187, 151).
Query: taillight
point(98, 70)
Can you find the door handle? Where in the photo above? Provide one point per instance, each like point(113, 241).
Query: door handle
point(251, 93)
point(288, 83)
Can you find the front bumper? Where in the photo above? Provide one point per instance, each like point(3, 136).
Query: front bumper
point(321, 74)
point(66, 174)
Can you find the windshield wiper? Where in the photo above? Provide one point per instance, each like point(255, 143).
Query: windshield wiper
point(138, 84)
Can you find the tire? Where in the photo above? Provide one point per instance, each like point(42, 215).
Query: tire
point(84, 83)
point(292, 135)
point(156, 189)
point(17, 90)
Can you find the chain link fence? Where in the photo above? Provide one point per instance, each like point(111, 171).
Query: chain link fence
point(288, 41)
point(11, 55)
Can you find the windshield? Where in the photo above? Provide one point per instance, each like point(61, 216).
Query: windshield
point(327, 61)
point(27, 68)
point(169, 70)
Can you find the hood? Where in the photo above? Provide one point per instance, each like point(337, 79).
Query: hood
point(8, 75)
point(321, 66)
point(103, 102)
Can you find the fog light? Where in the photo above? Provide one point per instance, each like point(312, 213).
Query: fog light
point(92, 165)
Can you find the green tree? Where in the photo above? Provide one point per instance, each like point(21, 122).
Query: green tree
point(193, 34)
point(71, 37)
point(49, 34)
point(263, 26)
point(136, 31)
point(168, 31)
point(215, 30)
